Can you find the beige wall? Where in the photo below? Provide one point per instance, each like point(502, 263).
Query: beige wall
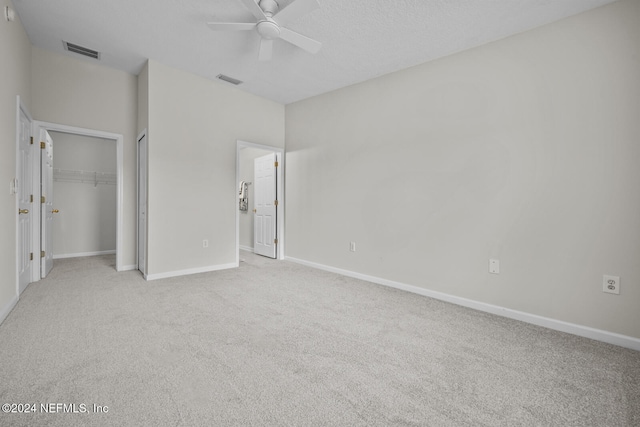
point(194, 124)
point(79, 93)
point(525, 150)
point(15, 69)
point(143, 99)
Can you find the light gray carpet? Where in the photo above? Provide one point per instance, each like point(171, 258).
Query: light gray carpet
point(276, 343)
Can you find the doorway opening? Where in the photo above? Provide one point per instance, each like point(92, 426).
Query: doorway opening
point(246, 154)
point(106, 208)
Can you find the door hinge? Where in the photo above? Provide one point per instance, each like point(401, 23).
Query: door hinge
point(31, 140)
point(42, 199)
point(275, 241)
point(275, 164)
point(42, 254)
point(31, 198)
point(275, 203)
point(43, 145)
point(31, 256)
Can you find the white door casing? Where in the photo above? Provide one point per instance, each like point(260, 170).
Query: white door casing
point(46, 203)
point(25, 205)
point(265, 203)
point(142, 204)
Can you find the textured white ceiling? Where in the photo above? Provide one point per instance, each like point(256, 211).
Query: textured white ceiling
point(361, 39)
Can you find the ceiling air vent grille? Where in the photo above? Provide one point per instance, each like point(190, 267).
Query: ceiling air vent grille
point(85, 51)
point(229, 79)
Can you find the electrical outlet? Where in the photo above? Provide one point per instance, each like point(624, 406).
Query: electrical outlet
point(494, 266)
point(352, 246)
point(611, 284)
point(205, 243)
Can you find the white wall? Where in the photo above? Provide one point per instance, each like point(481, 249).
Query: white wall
point(194, 124)
point(78, 93)
point(15, 69)
point(86, 223)
point(246, 173)
point(525, 150)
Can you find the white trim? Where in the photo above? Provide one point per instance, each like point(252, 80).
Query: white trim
point(141, 136)
point(246, 248)
point(191, 271)
point(558, 325)
point(7, 308)
point(82, 254)
point(279, 191)
point(119, 140)
point(129, 267)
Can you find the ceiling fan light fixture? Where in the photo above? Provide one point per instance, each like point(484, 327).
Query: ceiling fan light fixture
point(268, 30)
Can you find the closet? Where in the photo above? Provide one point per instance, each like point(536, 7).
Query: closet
point(85, 191)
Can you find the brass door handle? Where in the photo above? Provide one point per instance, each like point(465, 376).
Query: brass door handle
point(55, 211)
point(254, 211)
point(23, 211)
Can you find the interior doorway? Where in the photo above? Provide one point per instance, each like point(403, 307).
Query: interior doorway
point(93, 178)
point(246, 153)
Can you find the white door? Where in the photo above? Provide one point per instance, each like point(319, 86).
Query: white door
point(46, 203)
point(142, 204)
point(264, 218)
point(25, 201)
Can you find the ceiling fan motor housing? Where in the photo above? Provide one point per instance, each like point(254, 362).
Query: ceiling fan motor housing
point(269, 7)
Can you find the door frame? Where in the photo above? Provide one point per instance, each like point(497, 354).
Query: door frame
point(279, 194)
point(115, 137)
point(21, 107)
point(139, 153)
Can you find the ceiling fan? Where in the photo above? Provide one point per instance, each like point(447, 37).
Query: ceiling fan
point(270, 24)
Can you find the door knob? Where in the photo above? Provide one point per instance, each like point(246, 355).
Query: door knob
point(254, 211)
point(23, 211)
point(55, 211)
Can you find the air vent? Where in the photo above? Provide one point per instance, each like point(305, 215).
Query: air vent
point(85, 51)
point(229, 79)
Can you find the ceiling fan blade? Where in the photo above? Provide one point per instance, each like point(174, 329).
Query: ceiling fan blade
point(304, 42)
point(295, 10)
point(266, 49)
point(254, 9)
point(232, 26)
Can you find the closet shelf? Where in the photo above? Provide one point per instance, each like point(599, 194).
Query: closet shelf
point(85, 177)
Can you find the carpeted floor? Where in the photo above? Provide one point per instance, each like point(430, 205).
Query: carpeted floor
point(276, 343)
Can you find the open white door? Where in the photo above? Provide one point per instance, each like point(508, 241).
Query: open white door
point(142, 204)
point(46, 203)
point(265, 194)
point(25, 201)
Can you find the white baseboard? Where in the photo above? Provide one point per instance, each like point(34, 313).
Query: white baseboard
point(128, 267)
point(4, 312)
point(190, 271)
point(81, 254)
point(246, 248)
point(558, 325)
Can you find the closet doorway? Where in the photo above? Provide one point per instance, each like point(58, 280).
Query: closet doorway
point(84, 189)
point(87, 191)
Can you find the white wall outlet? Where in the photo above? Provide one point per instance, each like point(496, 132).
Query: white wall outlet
point(352, 246)
point(494, 266)
point(205, 243)
point(611, 284)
